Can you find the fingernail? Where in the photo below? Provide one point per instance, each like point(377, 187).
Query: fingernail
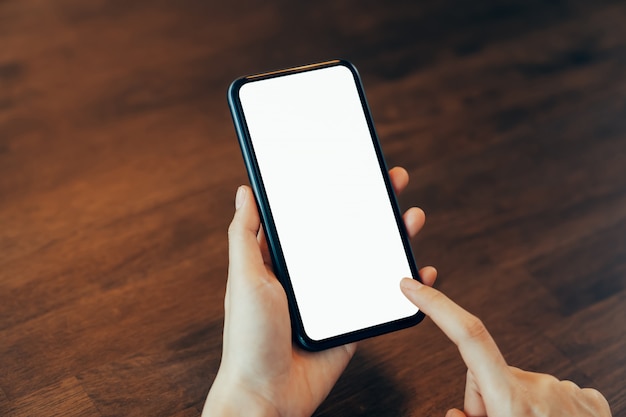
point(410, 284)
point(240, 198)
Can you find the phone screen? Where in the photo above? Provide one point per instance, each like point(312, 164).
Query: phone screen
point(330, 205)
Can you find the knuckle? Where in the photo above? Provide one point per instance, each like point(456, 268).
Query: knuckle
point(596, 396)
point(436, 298)
point(475, 329)
point(569, 385)
point(551, 379)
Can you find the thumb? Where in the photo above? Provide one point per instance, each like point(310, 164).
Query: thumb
point(245, 258)
point(455, 412)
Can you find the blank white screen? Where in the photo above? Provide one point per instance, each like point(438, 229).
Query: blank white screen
point(334, 220)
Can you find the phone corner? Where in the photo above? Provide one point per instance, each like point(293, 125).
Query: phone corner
point(345, 63)
point(418, 318)
point(234, 88)
point(307, 343)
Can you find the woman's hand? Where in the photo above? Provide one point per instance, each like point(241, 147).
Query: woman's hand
point(493, 388)
point(262, 372)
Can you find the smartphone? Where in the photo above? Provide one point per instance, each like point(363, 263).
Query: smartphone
point(335, 233)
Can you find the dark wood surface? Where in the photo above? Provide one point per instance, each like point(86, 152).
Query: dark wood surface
point(119, 164)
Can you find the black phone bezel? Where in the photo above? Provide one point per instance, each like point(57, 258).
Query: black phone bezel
point(256, 181)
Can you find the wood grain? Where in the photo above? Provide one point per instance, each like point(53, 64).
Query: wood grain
point(119, 163)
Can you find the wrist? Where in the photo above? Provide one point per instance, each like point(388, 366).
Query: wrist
point(227, 399)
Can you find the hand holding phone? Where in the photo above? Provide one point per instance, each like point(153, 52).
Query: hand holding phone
point(262, 371)
point(313, 159)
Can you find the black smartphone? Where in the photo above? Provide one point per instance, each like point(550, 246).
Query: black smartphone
point(335, 233)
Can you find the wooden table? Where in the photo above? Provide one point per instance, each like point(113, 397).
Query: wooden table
point(119, 164)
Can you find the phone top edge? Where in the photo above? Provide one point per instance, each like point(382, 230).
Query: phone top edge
point(284, 71)
point(300, 68)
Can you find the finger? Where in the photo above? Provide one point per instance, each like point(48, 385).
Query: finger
point(399, 179)
point(454, 412)
point(473, 403)
point(245, 259)
point(478, 349)
point(597, 400)
point(428, 274)
point(414, 219)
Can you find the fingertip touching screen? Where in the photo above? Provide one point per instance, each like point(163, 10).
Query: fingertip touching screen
point(333, 216)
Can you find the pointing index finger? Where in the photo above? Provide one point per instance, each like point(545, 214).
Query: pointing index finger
point(478, 349)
